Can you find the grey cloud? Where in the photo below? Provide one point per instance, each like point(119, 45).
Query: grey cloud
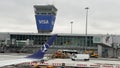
point(103, 15)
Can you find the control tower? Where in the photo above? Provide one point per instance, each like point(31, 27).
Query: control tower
point(45, 16)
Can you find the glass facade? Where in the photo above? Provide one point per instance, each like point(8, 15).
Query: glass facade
point(73, 41)
point(37, 39)
point(61, 40)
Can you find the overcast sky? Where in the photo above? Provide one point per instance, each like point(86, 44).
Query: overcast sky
point(103, 16)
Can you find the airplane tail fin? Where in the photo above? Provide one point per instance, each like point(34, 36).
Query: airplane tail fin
point(40, 53)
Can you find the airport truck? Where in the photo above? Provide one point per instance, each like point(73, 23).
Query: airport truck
point(79, 57)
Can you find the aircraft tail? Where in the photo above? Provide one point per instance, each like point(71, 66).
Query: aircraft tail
point(40, 53)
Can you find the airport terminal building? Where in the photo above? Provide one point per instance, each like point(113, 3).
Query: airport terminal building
point(105, 45)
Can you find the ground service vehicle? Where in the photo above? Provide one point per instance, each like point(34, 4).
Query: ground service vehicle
point(64, 53)
point(92, 53)
point(59, 54)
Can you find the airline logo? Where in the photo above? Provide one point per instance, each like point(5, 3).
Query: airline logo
point(43, 22)
point(44, 47)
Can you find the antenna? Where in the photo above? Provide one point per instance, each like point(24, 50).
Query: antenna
point(53, 2)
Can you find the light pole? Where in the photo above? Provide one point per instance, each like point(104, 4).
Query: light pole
point(71, 26)
point(86, 27)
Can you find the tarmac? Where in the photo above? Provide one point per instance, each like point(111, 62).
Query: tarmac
point(9, 56)
point(13, 56)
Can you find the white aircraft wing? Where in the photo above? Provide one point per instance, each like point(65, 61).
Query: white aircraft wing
point(16, 61)
point(34, 57)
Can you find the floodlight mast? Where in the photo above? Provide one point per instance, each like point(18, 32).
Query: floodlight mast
point(86, 27)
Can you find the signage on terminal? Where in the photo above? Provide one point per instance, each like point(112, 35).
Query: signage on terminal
point(43, 22)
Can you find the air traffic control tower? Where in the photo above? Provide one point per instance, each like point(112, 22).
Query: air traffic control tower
point(45, 16)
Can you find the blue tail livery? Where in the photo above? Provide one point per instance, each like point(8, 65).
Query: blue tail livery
point(40, 53)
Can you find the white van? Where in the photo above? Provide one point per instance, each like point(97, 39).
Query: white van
point(78, 57)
